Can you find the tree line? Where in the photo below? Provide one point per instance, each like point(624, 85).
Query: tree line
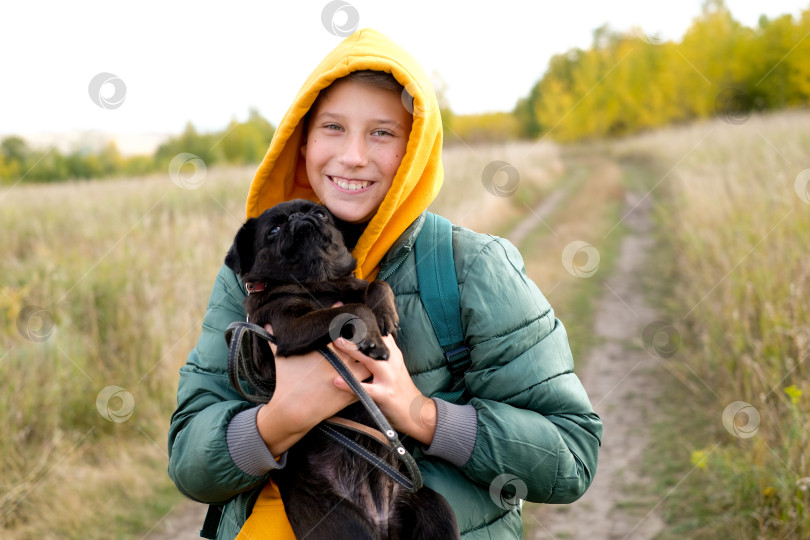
point(239, 143)
point(627, 82)
point(624, 83)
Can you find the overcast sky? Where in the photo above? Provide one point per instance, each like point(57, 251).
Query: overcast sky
point(208, 62)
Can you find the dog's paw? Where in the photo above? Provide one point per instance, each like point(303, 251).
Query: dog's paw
point(388, 322)
point(373, 348)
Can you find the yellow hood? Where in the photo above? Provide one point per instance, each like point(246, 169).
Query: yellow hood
point(282, 175)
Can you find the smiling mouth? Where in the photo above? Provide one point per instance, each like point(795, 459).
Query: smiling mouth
point(349, 185)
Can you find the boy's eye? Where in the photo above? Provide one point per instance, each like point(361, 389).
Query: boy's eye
point(382, 132)
point(332, 126)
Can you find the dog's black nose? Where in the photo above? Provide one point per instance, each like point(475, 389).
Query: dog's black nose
point(295, 216)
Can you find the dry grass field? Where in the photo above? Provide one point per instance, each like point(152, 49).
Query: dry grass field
point(734, 214)
point(104, 286)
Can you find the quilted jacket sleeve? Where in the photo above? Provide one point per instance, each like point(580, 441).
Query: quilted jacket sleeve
point(199, 461)
point(536, 425)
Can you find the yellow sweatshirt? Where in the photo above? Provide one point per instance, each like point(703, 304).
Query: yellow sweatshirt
point(282, 176)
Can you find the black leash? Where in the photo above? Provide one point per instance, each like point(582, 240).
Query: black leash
point(240, 351)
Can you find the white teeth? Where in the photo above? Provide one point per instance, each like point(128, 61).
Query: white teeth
point(353, 185)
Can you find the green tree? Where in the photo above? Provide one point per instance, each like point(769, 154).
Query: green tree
point(246, 142)
point(190, 141)
point(525, 116)
point(110, 160)
point(15, 149)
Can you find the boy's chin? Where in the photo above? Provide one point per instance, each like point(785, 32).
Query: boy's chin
point(352, 213)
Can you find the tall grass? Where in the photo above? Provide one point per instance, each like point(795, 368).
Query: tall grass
point(733, 211)
point(119, 273)
point(104, 284)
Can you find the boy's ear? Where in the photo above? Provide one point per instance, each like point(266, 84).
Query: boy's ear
point(240, 257)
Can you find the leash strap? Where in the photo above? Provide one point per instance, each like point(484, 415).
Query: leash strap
point(357, 427)
point(381, 422)
point(375, 460)
point(239, 361)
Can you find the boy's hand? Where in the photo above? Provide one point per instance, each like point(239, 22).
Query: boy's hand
point(392, 390)
point(304, 396)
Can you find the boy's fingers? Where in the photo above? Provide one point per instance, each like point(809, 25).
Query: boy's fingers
point(350, 349)
point(352, 359)
point(346, 344)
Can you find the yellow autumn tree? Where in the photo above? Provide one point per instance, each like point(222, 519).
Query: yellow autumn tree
point(629, 81)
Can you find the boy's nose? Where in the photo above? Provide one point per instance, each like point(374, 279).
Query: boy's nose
point(354, 152)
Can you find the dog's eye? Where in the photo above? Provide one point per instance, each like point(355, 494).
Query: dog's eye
point(275, 230)
point(319, 214)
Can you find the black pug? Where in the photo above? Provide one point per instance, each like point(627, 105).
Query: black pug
point(295, 265)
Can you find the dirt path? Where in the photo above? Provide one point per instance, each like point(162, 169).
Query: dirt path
point(621, 380)
point(183, 522)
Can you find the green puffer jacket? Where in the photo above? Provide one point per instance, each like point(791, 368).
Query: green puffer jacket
point(537, 432)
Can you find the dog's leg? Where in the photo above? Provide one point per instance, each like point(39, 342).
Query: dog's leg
point(316, 329)
point(380, 298)
point(424, 515)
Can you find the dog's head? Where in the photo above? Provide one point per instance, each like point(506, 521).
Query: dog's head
point(292, 241)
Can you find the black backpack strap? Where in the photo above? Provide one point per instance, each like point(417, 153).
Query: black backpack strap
point(211, 523)
point(438, 290)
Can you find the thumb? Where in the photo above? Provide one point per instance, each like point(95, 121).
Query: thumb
point(341, 384)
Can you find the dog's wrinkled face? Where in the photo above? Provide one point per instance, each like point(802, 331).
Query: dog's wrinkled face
point(292, 241)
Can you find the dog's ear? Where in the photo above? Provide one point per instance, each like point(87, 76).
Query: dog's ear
point(240, 257)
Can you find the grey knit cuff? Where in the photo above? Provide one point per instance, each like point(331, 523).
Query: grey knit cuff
point(247, 447)
point(456, 431)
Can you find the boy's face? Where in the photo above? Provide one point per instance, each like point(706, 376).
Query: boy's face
point(356, 139)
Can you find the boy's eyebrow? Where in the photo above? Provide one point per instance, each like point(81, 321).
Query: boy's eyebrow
point(384, 121)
